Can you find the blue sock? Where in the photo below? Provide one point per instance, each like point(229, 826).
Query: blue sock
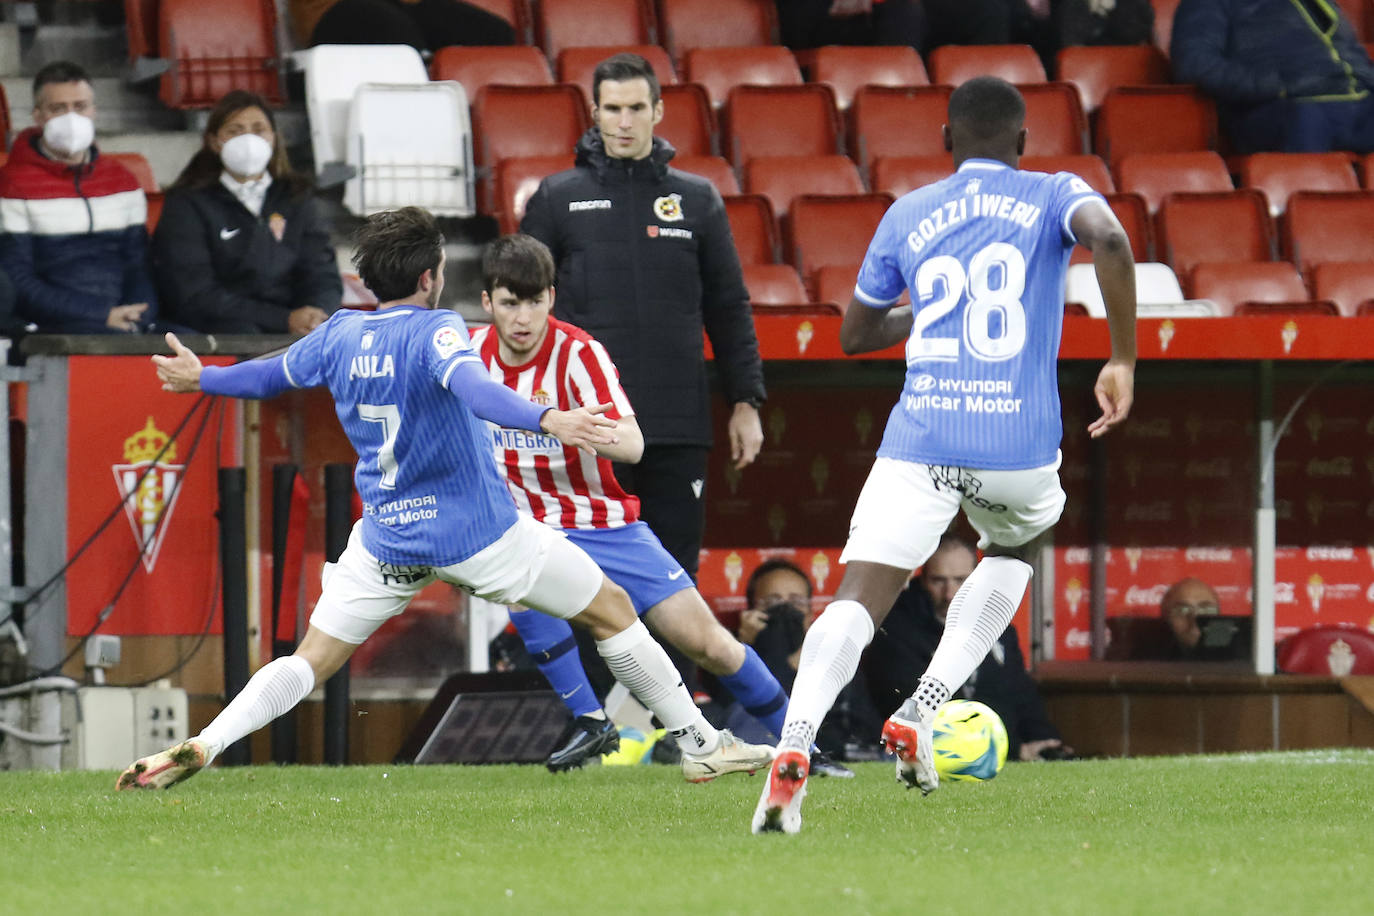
point(550, 642)
point(758, 691)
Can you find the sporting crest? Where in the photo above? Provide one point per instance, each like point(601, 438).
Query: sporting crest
point(148, 485)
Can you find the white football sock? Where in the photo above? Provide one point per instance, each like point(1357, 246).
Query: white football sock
point(644, 668)
point(276, 687)
point(981, 610)
point(829, 657)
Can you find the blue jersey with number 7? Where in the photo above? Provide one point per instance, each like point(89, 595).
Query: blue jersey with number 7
point(431, 492)
point(984, 253)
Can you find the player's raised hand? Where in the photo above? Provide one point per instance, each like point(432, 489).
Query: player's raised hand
point(1115, 391)
point(181, 372)
point(583, 428)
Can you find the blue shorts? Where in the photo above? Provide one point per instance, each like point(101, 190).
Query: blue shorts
point(633, 558)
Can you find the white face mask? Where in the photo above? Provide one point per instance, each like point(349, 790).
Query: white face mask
point(69, 134)
point(246, 155)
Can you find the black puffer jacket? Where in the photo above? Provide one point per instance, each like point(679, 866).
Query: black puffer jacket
point(220, 269)
point(645, 261)
point(1246, 51)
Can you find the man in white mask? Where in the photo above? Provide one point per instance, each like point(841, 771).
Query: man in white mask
point(72, 234)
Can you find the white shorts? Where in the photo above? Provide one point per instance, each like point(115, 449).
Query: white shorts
point(531, 564)
point(905, 506)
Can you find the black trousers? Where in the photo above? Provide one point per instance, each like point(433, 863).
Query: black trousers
point(428, 24)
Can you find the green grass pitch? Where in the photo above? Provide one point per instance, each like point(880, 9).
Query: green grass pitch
point(1246, 834)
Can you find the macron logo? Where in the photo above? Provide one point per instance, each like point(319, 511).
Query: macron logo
point(227, 234)
point(577, 206)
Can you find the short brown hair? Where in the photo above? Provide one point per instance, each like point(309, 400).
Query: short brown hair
point(394, 248)
point(623, 67)
point(521, 263)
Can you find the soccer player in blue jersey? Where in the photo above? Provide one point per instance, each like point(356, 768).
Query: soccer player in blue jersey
point(977, 425)
point(548, 360)
point(411, 395)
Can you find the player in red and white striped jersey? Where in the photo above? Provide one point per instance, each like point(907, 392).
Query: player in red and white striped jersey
point(550, 361)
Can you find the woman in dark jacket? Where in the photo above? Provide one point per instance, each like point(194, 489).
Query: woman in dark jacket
point(242, 246)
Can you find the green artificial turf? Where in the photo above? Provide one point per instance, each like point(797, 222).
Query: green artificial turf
point(1253, 833)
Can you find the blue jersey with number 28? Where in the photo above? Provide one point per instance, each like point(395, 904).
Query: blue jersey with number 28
point(983, 253)
point(431, 493)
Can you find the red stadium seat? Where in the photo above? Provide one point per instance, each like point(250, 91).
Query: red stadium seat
point(713, 168)
point(1155, 175)
point(782, 179)
point(832, 231)
point(1361, 17)
point(1088, 167)
point(898, 175)
point(834, 285)
point(1096, 70)
point(1229, 284)
point(523, 121)
point(1329, 651)
point(143, 171)
point(780, 121)
point(951, 65)
point(1329, 226)
point(1349, 284)
point(891, 121)
point(140, 25)
point(774, 284)
point(516, 181)
point(754, 228)
point(216, 47)
point(1154, 119)
point(687, 24)
point(848, 69)
point(1200, 228)
point(476, 67)
point(722, 69)
point(563, 24)
point(688, 122)
point(1278, 175)
point(1134, 215)
point(1366, 167)
point(1055, 124)
point(1164, 22)
point(578, 65)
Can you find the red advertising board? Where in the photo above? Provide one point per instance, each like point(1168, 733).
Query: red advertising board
point(148, 517)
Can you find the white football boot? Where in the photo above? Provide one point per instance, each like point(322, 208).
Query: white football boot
point(730, 756)
point(907, 734)
point(779, 808)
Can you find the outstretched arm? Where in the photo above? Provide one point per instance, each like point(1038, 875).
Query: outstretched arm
point(866, 328)
point(1097, 229)
point(255, 378)
point(582, 428)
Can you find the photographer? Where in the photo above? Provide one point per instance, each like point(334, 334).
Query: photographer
point(903, 646)
point(775, 623)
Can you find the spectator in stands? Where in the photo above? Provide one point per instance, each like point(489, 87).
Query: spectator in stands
point(242, 246)
point(72, 234)
point(813, 23)
point(775, 623)
point(1180, 608)
point(903, 646)
point(645, 261)
point(422, 24)
point(1287, 76)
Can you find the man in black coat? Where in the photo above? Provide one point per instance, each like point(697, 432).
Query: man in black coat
point(902, 648)
point(645, 262)
point(1287, 75)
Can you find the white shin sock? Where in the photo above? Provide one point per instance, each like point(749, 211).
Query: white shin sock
point(646, 671)
point(981, 610)
point(276, 687)
point(829, 658)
